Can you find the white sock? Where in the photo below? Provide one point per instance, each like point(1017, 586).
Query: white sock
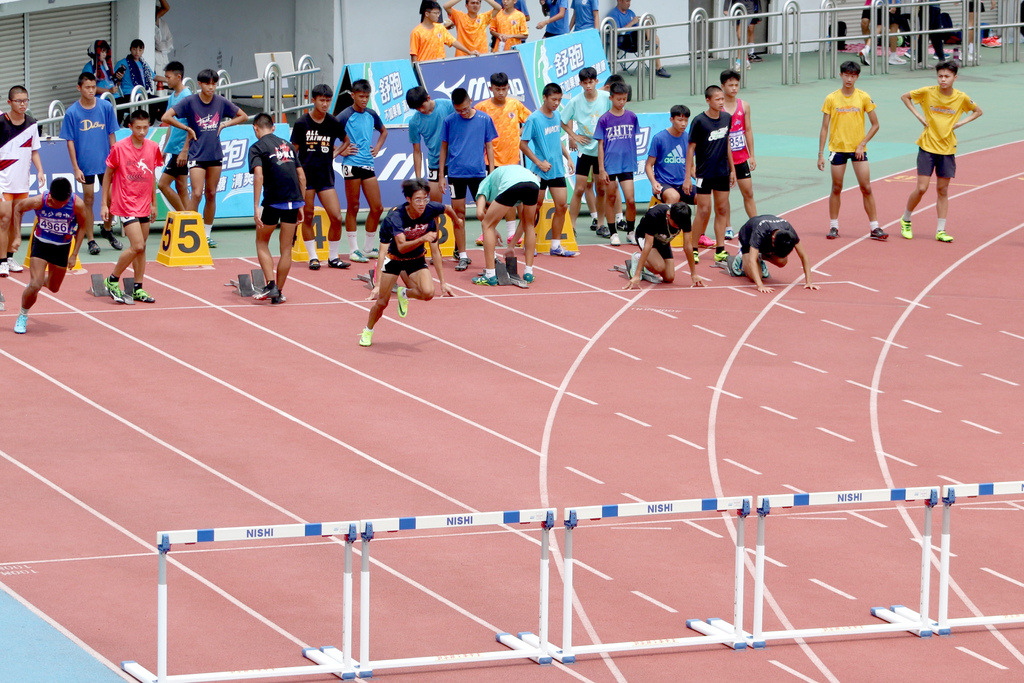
point(332, 249)
point(728, 228)
point(873, 225)
point(209, 229)
point(24, 311)
point(510, 228)
point(311, 248)
point(463, 254)
point(528, 270)
point(556, 244)
point(618, 218)
point(489, 272)
point(353, 245)
point(369, 241)
point(942, 225)
point(834, 223)
point(906, 215)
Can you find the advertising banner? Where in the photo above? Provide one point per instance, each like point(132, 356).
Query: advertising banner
point(389, 81)
point(443, 76)
point(560, 58)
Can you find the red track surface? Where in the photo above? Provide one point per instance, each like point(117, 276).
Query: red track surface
point(206, 411)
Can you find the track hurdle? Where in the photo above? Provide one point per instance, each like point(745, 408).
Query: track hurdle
point(165, 539)
point(898, 617)
point(365, 666)
point(716, 631)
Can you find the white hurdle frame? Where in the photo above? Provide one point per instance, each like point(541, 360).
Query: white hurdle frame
point(165, 539)
point(365, 667)
point(716, 631)
point(898, 616)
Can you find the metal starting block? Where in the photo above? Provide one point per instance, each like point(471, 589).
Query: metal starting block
point(248, 284)
point(369, 279)
point(645, 276)
point(97, 288)
point(507, 273)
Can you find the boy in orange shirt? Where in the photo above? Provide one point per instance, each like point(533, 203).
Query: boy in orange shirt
point(509, 27)
point(429, 38)
point(472, 26)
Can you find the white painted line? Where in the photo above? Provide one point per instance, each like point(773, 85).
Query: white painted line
point(984, 659)
point(766, 558)
point(966, 320)
point(810, 367)
point(632, 419)
point(951, 481)
point(1004, 577)
point(943, 360)
point(590, 569)
point(778, 412)
point(672, 372)
point(584, 475)
point(742, 467)
point(790, 308)
point(667, 315)
point(815, 270)
point(1016, 336)
point(793, 488)
point(905, 462)
point(835, 434)
point(794, 672)
point(627, 355)
point(857, 284)
point(891, 343)
point(704, 329)
point(864, 386)
point(698, 527)
point(1000, 379)
point(758, 348)
point(688, 443)
point(921, 405)
point(742, 291)
point(833, 589)
point(654, 602)
point(868, 520)
point(634, 498)
point(933, 546)
point(975, 424)
point(1015, 505)
point(724, 392)
point(912, 303)
point(844, 327)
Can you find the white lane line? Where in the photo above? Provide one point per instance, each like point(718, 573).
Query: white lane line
point(891, 343)
point(634, 498)
point(590, 569)
point(921, 405)
point(767, 559)
point(667, 315)
point(863, 386)
point(810, 367)
point(672, 372)
point(835, 434)
point(627, 355)
point(778, 412)
point(790, 308)
point(654, 602)
point(698, 527)
point(584, 475)
point(688, 443)
point(1015, 505)
point(1004, 577)
point(893, 457)
point(793, 488)
point(742, 291)
point(794, 672)
point(943, 360)
point(815, 270)
point(833, 589)
point(966, 320)
point(975, 424)
point(632, 419)
point(912, 303)
point(844, 327)
point(1000, 379)
point(917, 541)
point(951, 481)
point(724, 392)
point(980, 657)
point(741, 466)
point(704, 329)
point(857, 284)
point(868, 520)
point(1015, 336)
point(758, 348)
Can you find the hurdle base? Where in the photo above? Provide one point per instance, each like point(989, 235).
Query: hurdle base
point(533, 642)
point(719, 628)
point(519, 642)
point(138, 672)
point(904, 616)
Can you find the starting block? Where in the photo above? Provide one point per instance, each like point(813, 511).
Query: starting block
point(248, 284)
point(507, 273)
point(645, 276)
point(370, 279)
point(97, 288)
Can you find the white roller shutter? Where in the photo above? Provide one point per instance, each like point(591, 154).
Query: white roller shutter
point(57, 44)
point(12, 53)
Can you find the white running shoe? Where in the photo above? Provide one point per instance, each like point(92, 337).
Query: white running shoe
point(615, 241)
point(4, 270)
point(896, 60)
point(14, 266)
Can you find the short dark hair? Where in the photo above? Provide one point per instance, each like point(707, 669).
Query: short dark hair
point(849, 67)
point(362, 85)
point(322, 90)
point(499, 79)
point(175, 67)
point(948, 65)
point(588, 73)
point(15, 91)
point(263, 121)
point(614, 78)
point(86, 76)
point(784, 239)
point(619, 89)
point(416, 97)
point(679, 110)
point(414, 185)
point(207, 76)
point(728, 75)
point(139, 115)
point(459, 95)
point(137, 43)
point(710, 91)
point(680, 215)
point(60, 189)
point(552, 89)
point(428, 5)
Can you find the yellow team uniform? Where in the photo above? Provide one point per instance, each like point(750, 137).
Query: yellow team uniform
point(426, 45)
point(508, 121)
point(846, 119)
point(475, 34)
point(510, 24)
point(941, 112)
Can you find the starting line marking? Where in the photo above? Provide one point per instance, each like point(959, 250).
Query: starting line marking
point(857, 284)
point(835, 434)
point(810, 367)
point(724, 392)
point(794, 672)
point(1004, 577)
point(793, 488)
point(815, 270)
point(584, 475)
point(893, 457)
point(627, 355)
point(1015, 336)
point(1000, 379)
point(864, 386)
point(921, 405)
point(672, 372)
point(975, 424)
point(758, 348)
point(704, 329)
point(654, 602)
point(829, 322)
point(890, 343)
point(778, 412)
point(982, 658)
point(742, 467)
point(868, 520)
point(912, 303)
point(943, 360)
point(709, 532)
point(833, 589)
point(966, 320)
point(742, 291)
point(766, 558)
point(632, 419)
point(790, 308)
point(688, 443)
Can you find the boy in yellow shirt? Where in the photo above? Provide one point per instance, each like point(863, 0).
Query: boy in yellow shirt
point(472, 26)
point(842, 125)
point(509, 27)
point(942, 106)
point(429, 38)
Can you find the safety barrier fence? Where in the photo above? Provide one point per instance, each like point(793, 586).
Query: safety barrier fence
point(538, 645)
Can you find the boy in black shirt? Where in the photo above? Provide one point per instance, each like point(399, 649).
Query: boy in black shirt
point(709, 160)
point(768, 238)
point(277, 174)
point(654, 235)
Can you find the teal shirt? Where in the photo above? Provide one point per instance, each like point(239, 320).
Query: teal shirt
point(503, 178)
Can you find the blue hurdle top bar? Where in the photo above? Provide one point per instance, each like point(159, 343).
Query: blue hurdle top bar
point(788, 500)
point(658, 508)
point(255, 533)
point(1001, 488)
point(460, 519)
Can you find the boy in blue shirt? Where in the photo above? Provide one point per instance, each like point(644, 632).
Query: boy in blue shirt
point(175, 149)
point(585, 14)
point(541, 144)
point(135, 70)
point(557, 21)
point(616, 157)
point(425, 125)
point(666, 159)
point(357, 125)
